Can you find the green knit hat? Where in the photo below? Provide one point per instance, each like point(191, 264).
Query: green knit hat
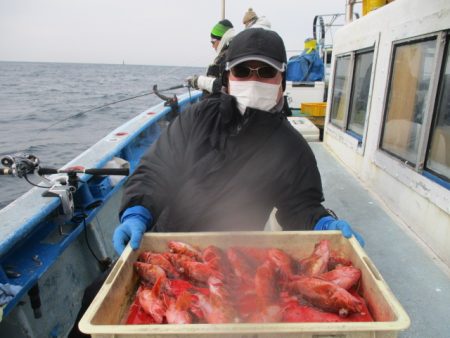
point(220, 28)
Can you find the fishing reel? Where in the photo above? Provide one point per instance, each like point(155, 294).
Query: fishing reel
point(171, 102)
point(19, 165)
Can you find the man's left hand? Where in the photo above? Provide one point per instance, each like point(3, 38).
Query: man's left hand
point(329, 223)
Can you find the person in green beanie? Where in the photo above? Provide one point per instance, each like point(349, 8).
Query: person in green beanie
point(221, 35)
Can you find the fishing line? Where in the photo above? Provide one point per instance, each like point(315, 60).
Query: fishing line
point(94, 108)
point(34, 184)
point(111, 103)
point(87, 242)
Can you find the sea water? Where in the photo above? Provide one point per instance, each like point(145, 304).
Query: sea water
point(34, 96)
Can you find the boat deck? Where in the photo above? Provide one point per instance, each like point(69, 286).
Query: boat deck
point(419, 280)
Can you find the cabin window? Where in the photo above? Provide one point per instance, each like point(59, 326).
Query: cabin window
point(360, 92)
point(408, 90)
point(340, 91)
point(438, 160)
point(351, 92)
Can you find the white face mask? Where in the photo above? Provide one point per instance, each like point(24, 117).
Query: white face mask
point(254, 94)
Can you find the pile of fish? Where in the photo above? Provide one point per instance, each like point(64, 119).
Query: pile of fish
point(187, 285)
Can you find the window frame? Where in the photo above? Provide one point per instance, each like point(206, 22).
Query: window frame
point(441, 53)
point(351, 76)
point(352, 93)
point(430, 101)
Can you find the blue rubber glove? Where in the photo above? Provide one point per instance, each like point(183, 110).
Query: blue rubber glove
point(330, 223)
point(134, 222)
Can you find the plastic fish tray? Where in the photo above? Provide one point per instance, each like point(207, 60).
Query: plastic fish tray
point(107, 312)
point(314, 108)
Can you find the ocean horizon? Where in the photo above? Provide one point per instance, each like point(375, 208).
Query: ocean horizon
point(123, 63)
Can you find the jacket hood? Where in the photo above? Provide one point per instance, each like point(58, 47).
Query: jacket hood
point(226, 39)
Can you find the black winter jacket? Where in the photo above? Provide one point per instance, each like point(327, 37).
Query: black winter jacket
point(216, 69)
point(213, 169)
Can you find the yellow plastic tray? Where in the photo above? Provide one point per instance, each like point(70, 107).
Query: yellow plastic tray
point(314, 108)
point(107, 311)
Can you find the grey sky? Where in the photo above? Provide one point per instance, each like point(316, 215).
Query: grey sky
point(153, 32)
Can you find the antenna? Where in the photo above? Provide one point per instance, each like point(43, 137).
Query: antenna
point(223, 9)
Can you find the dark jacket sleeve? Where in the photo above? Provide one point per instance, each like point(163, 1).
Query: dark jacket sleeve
point(300, 203)
point(217, 68)
point(158, 171)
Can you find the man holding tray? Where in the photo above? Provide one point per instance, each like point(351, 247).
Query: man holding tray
point(227, 161)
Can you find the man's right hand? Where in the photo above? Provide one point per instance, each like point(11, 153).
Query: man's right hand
point(132, 228)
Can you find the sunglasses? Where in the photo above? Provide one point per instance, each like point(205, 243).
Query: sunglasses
point(213, 41)
point(264, 72)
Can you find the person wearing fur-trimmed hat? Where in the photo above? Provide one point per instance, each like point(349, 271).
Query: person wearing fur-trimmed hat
point(251, 20)
point(221, 35)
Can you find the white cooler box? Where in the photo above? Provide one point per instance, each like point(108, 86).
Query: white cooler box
point(305, 127)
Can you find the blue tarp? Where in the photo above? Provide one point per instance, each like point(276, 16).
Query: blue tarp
point(305, 67)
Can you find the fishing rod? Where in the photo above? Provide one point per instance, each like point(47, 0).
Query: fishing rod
point(21, 165)
point(111, 103)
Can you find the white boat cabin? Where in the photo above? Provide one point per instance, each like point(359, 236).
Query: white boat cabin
point(388, 113)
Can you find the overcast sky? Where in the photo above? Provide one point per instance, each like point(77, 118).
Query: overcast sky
point(150, 32)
